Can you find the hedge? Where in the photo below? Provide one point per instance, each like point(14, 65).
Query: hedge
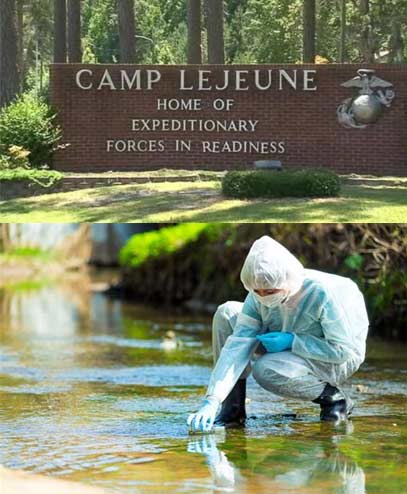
point(44, 178)
point(289, 183)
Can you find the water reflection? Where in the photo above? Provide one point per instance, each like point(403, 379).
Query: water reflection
point(59, 310)
point(223, 472)
point(91, 390)
point(237, 466)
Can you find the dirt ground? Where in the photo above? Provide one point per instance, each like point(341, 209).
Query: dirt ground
point(17, 482)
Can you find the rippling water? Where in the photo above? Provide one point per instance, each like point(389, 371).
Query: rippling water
point(91, 391)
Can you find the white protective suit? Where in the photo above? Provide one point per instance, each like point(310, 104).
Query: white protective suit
point(325, 312)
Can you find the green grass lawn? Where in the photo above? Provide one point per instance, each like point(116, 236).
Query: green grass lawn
point(202, 201)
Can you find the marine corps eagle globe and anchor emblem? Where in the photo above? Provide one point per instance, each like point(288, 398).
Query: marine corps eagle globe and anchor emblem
point(366, 108)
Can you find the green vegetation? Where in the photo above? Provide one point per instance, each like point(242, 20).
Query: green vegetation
point(16, 157)
point(162, 174)
point(44, 178)
point(26, 285)
point(202, 201)
point(289, 183)
point(256, 31)
point(28, 124)
point(161, 31)
point(26, 253)
point(207, 267)
point(166, 241)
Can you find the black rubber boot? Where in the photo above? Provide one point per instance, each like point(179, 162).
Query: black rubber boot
point(233, 412)
point(334, 405)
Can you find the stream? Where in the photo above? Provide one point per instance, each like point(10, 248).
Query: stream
point(97, 391)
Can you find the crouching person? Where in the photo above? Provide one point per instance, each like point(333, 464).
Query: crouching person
point(310, 326)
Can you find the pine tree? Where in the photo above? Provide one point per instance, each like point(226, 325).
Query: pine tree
point(214, 28)
point(309, 31)
point(194, 31)
point(342, 50)
point(9, 76)
point(366, 36)
point(59, 31)
point(74, 31)
point(127, 31)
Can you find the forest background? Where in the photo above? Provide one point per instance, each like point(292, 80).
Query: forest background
point(213, 31)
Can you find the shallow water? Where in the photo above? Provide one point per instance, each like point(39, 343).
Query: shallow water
point(90, 393)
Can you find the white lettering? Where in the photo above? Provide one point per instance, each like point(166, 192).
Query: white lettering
point(220, 104)
point(291, 80)
point(257, 147)
point(308, 79)
point(182, 85)
point(253, 124)
point(225, 81)
point(206, 146)
point(203, 78)
point(131, 145)
point(153, 76)
point(78, 79)
point(241, 79)
point(135, 125)
point(181, 145)
point(179, 104)
point(257, 80)
point(128, 83)
point(192, 125)
point(106, 80)
point(199, 80)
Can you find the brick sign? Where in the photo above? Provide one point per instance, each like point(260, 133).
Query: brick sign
point(136, 117)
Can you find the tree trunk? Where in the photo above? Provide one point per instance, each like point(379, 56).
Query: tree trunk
point(127, 31)
point(366, 36)
point(194, 31)
point(20, 37)
point(59, 31)
point(214, 28)
point(309, 31)
point(342, 48)
point(9, 76)
point(396, 44)
point(74, 31)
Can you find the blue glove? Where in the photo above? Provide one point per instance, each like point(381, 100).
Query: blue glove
point(276, 341)
point(203, 419)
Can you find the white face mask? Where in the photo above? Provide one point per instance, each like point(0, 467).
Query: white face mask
point(271, 300)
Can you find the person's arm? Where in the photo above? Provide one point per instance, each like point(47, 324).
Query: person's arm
point(337, 343)
point(237, 351)
point(233, 359)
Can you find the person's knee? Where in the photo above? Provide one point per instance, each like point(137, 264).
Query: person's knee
point(258, 371)
point(267, 377)
point(261, 372)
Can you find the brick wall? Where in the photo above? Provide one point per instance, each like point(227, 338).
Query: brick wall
point(305, 120)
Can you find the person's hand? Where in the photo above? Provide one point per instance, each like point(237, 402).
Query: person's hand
point(203, 419)
point(276, 341)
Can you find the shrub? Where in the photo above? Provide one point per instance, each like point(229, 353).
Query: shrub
point(28, 123)
point(44, 178)
point(17, 157)
point(5, 162)
point(168, 240)
point(290, 183)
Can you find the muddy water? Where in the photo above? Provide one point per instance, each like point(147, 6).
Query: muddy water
point(92, 390)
